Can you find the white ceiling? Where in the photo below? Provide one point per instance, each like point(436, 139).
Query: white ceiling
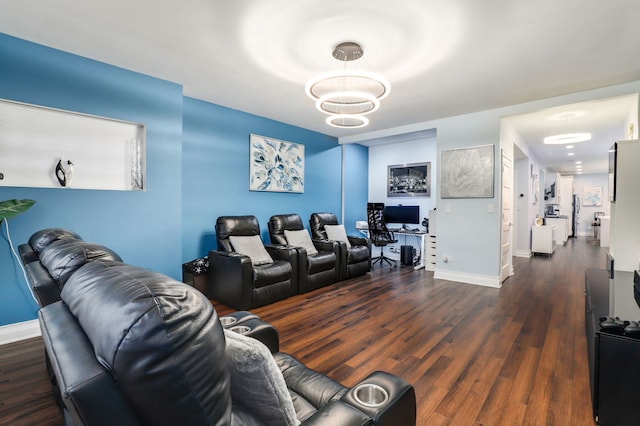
point(442, 57)
point(606, 119)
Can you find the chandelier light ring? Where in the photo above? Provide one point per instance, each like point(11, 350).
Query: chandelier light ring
point(348, 121)
point(347, 94)
point(350, 102)
point(567, 138)
point(348, 80)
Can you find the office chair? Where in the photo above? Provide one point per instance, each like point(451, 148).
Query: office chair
point(378, 233)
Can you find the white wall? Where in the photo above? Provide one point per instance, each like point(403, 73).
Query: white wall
point(381, 156)
point(467, 232)
point(416, 151)
point(586, 214)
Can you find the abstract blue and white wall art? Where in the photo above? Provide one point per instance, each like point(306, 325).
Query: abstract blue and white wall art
point(276, 166)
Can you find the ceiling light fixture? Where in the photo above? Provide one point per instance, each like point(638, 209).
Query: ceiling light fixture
point(348, 94)
point(567, 138)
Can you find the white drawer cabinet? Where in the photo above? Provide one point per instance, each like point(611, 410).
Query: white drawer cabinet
point(430, 253)
point(543, 239)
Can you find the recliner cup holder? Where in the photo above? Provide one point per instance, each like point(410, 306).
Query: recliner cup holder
point(240, 329)
point(227, 321)
point(370, 395)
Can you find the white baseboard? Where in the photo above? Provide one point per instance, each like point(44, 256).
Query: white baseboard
point(462, 277)
point(522, 253)
point(19, 331)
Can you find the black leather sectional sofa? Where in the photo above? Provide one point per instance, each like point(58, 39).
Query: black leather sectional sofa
point(129, 346)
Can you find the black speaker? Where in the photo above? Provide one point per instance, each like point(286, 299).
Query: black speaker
point(406, 255)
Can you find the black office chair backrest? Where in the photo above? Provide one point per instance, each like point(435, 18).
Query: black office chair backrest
point(378, 232)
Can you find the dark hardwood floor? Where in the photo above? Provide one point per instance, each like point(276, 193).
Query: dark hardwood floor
point(476, 355)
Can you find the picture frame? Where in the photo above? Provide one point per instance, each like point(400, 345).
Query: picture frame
point(592, 196)
point(409, 180)
point(275, 165)
point(467, 172)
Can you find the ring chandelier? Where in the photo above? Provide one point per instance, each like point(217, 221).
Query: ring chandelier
point(348, 95)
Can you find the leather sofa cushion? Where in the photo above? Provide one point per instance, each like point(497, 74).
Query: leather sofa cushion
point(160, 340)
point(62, 257)
point(323, 261)
point(275, 272)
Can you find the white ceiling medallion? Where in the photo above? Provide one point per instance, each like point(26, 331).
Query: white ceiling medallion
point(348, 94)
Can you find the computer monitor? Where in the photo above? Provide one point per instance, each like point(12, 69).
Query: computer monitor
point(402, 214)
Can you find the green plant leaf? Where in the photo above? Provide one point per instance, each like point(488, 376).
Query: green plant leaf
point(11, 208)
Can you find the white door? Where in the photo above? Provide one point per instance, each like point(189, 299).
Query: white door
point(507, 198)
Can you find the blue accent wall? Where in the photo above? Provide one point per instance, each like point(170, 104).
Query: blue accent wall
point(143, 227)
point(356, 185)
point(216, 173)
point(197, 168)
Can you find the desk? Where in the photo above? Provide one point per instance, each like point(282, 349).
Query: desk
point(421, 236)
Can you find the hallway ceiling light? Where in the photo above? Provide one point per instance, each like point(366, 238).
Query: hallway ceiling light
point(567, 138)
point(347, 94)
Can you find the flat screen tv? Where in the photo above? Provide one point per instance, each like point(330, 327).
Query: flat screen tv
point(402, 214)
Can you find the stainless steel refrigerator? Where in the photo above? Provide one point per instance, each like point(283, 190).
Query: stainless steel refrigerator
point(575, 210)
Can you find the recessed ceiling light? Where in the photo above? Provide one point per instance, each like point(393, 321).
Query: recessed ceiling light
point(567, 138)
point(569, 146)
point(571, 153)
point(578, 162)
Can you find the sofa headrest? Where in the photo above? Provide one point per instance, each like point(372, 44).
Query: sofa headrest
point(44, 237)
point(238, 226)
point(318, 221)
point(62, 257)
point(159, 338)
point(279, 223)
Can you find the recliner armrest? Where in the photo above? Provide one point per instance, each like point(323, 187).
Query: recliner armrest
point(338, 413)
point(399, 408)
point(280, 252)
point(230, 279)
point(326, 245)
point(359, 241)
point(27, 253)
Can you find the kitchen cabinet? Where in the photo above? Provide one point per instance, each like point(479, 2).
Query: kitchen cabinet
point(562, 230)
point(543, 239)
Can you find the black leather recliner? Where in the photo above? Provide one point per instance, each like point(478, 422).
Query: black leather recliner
point(52, 255)
point(355, 260)
point(115, 323)
point(236, 282)
point(315, 270)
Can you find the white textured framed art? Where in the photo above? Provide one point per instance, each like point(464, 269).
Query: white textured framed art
point(275, 165)
point(467, 172)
